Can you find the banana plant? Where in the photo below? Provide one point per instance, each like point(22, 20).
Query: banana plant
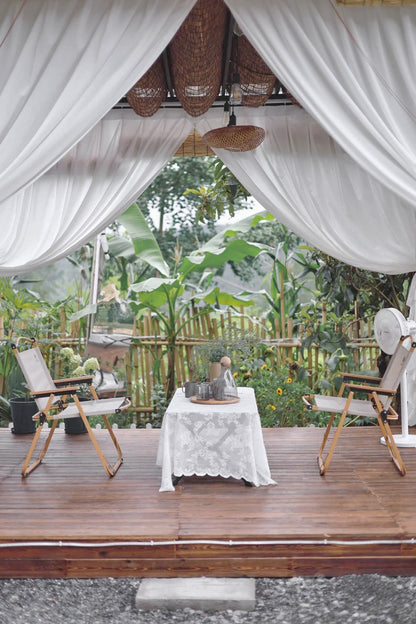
point(139, 245)
point(169, 297)
point(283, 294)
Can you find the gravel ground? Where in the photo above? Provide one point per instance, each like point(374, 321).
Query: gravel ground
point(355, 599)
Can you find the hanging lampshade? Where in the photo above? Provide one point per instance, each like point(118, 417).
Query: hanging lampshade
point(235, 138)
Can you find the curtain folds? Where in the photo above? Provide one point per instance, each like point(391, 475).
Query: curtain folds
point(352, 69)
point(299, 174)
point(83, 193)
point(343, 177)
point(309, 183)
point(63, 66)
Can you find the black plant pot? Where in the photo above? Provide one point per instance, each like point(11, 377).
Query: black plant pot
point(76, 425)
point(22, 411)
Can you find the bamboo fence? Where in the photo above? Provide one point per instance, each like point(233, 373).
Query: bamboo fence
point(146, 355)
point(145, 359)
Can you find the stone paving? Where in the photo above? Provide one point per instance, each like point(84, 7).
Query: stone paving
point(353, 599)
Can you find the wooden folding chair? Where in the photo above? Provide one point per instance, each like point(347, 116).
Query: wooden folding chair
point(58, 399)
point(380, 392)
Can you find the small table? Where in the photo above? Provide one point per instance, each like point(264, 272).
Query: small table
point(217, 440)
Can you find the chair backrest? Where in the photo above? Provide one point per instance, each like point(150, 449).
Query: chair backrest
point(36, 373)
point(397, 366)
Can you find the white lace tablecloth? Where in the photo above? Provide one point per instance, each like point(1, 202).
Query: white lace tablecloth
point(216, 440)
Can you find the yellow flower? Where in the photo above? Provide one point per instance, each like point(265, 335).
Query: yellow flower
point(289, 380)
point(263, 367)
point(270, 407)
point(235, 374)
point(279, 391)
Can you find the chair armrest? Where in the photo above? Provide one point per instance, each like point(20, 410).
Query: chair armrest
point(54, 391)
point(366, 388)
point(386, 391)
point(358, 377)
point(306, 399)
point(126, 403)
point(74, 380)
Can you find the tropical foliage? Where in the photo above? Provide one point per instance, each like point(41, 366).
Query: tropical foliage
point(169, 297)
point(165, 256)
point(278, 394)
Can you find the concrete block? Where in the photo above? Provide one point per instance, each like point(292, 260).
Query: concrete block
point(203, 594)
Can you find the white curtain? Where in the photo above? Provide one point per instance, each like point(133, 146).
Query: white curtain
point(353, 69)
point(83, 193)
point(309, 183)
point(63, 65)
point(299, 174)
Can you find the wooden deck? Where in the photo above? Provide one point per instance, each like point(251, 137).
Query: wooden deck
point(68, 519)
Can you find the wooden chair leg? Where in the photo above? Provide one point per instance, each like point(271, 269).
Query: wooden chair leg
point(113, 437)
point(324, 463)
point(324, 441)
point(391, 445)
point(110, 469)
point(27, 467)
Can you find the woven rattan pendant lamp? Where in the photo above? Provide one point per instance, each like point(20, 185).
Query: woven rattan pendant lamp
point(235, 138)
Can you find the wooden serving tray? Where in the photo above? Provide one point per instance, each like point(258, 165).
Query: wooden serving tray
point(194, 399)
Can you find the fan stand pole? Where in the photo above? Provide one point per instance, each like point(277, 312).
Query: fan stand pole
point(403, 439)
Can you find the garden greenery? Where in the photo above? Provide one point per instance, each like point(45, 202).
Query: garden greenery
point(187, 260)
point(278, 394)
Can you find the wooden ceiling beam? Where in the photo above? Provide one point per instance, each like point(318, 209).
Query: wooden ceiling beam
point(227, 55)
point(168, 76)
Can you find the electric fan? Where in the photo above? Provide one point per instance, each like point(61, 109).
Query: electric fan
point(389, 326)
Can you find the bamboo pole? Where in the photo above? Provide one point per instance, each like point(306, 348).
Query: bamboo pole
point(282, 304)
point(356, 334)
point(290, 335)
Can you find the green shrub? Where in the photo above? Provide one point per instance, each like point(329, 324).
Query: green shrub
point(279, 396)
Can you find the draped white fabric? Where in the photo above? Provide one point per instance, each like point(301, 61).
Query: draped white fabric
point(63, 65)
point(352, 68)
point(83, 193)
point(302, 176)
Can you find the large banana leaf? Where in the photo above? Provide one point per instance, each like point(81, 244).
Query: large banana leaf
point(211, 256)
point(144, 244)
point(155, 290)
point(215, 295)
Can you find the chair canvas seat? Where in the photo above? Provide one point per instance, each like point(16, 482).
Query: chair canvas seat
point(357, 407)
point(60, 400)
point(94, 407)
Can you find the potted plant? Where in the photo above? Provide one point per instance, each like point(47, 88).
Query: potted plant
point(73, 367)
point(235, 343)
point(22, 410)
point(5, 411)
point(16, 405)
point(210, 354)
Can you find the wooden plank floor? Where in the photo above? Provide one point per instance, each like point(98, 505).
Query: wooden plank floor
point(68, 519)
